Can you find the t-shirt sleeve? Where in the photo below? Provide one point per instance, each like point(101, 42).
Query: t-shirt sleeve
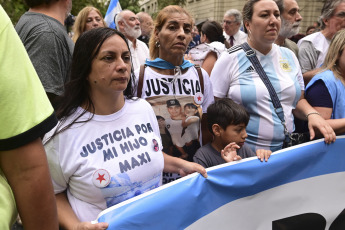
point(318, 95)
point(26, 113)
point(299, 73)
point(220, 76)
point(200, 158)
point(59, 179)
point(307, 56)
point(208, 91)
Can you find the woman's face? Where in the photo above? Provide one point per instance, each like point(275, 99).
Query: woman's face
point(174, 36)
point(265, 24)
point(111, 68)
point(93, 20)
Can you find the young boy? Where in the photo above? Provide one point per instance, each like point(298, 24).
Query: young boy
point(227, 122)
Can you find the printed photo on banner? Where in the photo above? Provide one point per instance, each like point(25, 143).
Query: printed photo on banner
point(178, 118)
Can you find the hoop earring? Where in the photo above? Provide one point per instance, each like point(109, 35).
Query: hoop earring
point(157, 44)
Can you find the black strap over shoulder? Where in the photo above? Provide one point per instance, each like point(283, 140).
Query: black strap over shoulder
point(254, 60)
point(274, 97)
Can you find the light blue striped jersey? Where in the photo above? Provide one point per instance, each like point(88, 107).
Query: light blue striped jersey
point(234, 76)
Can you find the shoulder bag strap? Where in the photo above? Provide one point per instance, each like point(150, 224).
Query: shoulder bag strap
point(141, 80)
point(201, 78)
point(275, 100)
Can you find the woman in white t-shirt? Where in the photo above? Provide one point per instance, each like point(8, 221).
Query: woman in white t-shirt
point(106, 147)
point(212, 45)
point(167, 81)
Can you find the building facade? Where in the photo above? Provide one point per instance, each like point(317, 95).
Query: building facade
point(202, 10)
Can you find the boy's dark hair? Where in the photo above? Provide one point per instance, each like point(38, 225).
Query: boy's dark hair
point(225, 112)
point(160, 118)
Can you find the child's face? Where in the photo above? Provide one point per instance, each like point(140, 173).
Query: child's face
point(234, 133)
point(189, 111)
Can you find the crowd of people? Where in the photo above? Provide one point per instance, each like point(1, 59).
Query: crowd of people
point(113, 113)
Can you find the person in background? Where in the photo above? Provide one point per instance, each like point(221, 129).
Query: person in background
point(227, 122)
point(45, 38)
point(313, 48)
point(317, 25)
point(146, 25)
point(88, 18)
point(297, 37)
point(196, 39)
point(232, 22)
point(69, 22)
point(106, 147)
point(310, 30)
point(128, 23)
point(241, 82)
point(26, 114)
point(290, 20)
point(326, 91)
point(212, 45)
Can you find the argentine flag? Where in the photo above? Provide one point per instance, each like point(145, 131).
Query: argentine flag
point(113, 9)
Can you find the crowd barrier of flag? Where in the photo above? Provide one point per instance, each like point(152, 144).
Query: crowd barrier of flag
point(298, 188)
point(113, 9)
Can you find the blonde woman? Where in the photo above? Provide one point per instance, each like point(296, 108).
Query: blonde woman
point(326, 91)
point(88, 18)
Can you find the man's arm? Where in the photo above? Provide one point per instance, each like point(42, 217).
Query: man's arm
point(26, 170)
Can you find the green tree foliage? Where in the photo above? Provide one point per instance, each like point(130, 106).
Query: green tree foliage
point(78, 5)
point(164, 3)
point(14, 9)
point(132, 5)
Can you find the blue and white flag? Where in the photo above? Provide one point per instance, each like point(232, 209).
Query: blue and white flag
point(302, 187)
point(113, 9)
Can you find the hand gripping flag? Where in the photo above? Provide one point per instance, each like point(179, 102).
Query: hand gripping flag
point(113, 9)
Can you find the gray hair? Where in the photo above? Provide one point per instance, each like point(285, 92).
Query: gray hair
point(141, 15)
point(328, 11)
point(235, 13)
point(119, 17)
point(280, 4)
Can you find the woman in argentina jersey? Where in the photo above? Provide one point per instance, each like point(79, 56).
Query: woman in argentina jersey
point(235, 77)
point(106, 147)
